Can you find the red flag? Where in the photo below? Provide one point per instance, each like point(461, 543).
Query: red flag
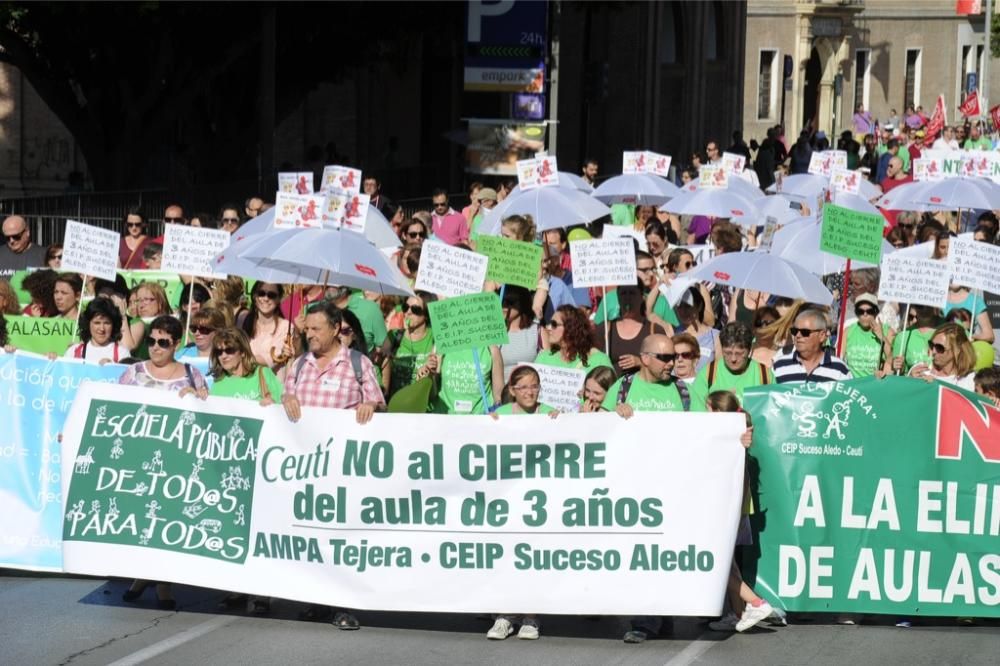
point(970, 107)
point(936, 123)
point(995, 115)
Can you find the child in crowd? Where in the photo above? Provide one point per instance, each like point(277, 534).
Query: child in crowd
point(987, 382)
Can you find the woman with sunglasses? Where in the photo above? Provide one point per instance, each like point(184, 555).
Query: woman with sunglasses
point(690, 312)
point(909, 348)
point(53, 256)
point(961, 297)
point(868, 341)
point(568, 342)
point(133, 242)
point(953, 358)
point(205, 323)
point(266, 325)
point(415, 232)
point(688, 355)
point(236, 371)
point(230, 218)
point(150, 302)
point(164, 373)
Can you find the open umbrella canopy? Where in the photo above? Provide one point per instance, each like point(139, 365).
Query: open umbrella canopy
point(855, 203)
point(341, 257)
point(713, 203)
point(641, 189)
point(549, 207)
point(802, 185)
point(568, 181)
point(906, 197)
point(799, 242)
point(734, 184)
point(955, 193)
point(777, 206)
point(378, 231)
point(763, 272)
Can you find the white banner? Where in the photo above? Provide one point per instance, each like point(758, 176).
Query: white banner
point(340, 179)
point(914, 280)
point(974, 264)
point(615, 231)
point(582, 514)
point(733, 163)
point(450, 271)
point(192, 250)
point(603, 262)
point(90, 250)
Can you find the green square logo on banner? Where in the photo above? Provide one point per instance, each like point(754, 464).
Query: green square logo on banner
point(468, 322)
point(849, 233)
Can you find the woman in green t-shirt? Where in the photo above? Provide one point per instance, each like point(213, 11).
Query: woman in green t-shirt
point(868, 347)
point(237, 373)
point(568, 341)
point(406, 351)
point(910, 346)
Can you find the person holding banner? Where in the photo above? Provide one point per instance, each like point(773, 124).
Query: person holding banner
point(568, 342)
point(66, 295)
point(595, 388)
point(265, 324)
point(952, 358)
point(462, 388)
point(688, 352)
point(911, 345)
point(204, 325)
point(524, 386)
point(133, 242)
point(162, 372)
point(737, 371)
point(236, 371)
point(100, 331)
point(987, 382)
point(961, 297)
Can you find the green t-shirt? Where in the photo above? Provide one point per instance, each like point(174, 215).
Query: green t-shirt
point(142, 351)
point(474, 227)
point(460, 389)
point(595, 359)
point(409, 356)
point(726, 380)
point(370, 316)
point(645, 396)
point(247, 388)
point(982, 143)
point(915, 343)
point(661, 309)
point(509, 409)
point(863, 351)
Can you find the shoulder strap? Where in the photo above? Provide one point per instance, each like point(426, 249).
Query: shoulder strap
point(682, 389)
point(624, 388)
point(712, 367)
point(190, 375)
point(763, 373)
point(80, 351)
point(298, 368)
point(356, 364)
point(265, 393)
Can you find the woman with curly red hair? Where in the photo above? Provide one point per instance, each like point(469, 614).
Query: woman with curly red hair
point(568, 342)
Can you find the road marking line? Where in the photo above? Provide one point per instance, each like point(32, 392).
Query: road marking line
point(186, 636)
point(692, 652)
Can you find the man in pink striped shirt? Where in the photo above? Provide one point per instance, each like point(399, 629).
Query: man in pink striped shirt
point(448, 225)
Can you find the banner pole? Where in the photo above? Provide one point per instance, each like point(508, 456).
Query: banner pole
point(972, 319)
point(187, 326)
point(906, 343)
point(487, 407)
point(843, 308)
point(607, 326)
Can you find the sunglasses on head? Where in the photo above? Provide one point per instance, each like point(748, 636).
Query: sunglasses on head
point(663, 358)
point(804, 332)
point(162, 343)
point(14, 237)
point(860, 312)
point(201, 330)
point(273, 295)
point(936, 348)
point(228, 351)
point(418, 310)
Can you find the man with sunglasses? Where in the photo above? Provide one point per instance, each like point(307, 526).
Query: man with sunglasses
point(18, 252)
point(447, 224)
point(811, 360)
point(737, 371)
point(654, 388)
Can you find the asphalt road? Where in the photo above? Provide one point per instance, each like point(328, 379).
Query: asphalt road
point(81, 621)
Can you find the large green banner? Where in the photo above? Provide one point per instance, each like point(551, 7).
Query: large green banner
point(41, 335)
point(878, 496)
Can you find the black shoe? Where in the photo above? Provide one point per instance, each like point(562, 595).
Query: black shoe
point(133, 593)
point(234, 600)
point(346, 621)
point(635, 636)
point(166, 604)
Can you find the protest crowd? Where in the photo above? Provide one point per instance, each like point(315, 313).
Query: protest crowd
point(686, 317)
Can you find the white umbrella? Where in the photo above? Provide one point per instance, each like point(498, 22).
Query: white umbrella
point(641, 189)
point(734, 184)
point(567, 180)
point(549, 207)
point(342, 257)
point(378, 231)
point(763, 272)
point(868, 189)
point(855, 203)
point(713, 203)
point(955, 193)
point(800, 242)
point(906, 197)
point(802, 185)
point(779, 207)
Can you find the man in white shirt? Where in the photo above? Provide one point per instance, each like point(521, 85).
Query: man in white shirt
point(947, 140)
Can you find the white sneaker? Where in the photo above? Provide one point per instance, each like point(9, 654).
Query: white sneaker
point(752, 615)
point(528, 631)
point(777, 618)
point(726, 623)
point(500, 630)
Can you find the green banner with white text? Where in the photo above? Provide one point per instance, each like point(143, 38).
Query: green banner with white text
point(877, 496)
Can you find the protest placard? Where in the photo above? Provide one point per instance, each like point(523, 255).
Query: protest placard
point(41, 335)
point(842, 180)
point(767, 235)
point(450, 271)
point(852, 234)
point(298, 182)
point(90, 250)
point(926, 169)
point(298, 211)
point(346, 211)
point(821, 164)
point(838, 159)
point(633, 161)
point(603, 262)
point(340, 179)
point(192, 250)
point(468, 322)
point(537, 172)
point(657, 164)
point(392, 514)
point(511, 261)
point(713, 177)
point(914, 280)
point(560, 386)
point(616, 231)
point(974, 263)
point(733, 163)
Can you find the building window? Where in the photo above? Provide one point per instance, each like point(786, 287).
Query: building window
point(911, 81)
point(966, 64)
point(862, 77)
point(766, 86)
